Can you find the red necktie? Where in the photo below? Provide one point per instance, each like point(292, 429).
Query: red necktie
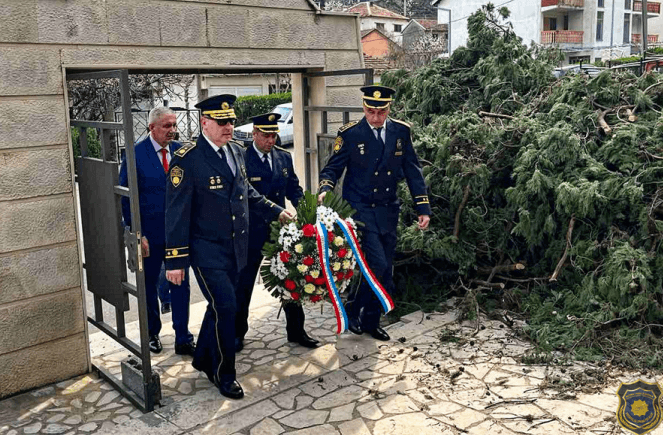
point(164, 159)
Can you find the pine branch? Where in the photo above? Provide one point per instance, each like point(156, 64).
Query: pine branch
point(495, 115)
point(501, 269)
point(560, 264)
point(466, 196)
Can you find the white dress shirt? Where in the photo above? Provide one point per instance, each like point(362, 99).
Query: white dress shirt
point(383, 132)
point(262, 156)
point(158, 148)
point(226, 151)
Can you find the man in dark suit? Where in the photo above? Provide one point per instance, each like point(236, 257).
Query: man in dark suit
point(207, 227)
point(153, 156)
point(271, 172)
point(377, 153)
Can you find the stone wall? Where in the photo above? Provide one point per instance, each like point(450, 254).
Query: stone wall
point(42, 323)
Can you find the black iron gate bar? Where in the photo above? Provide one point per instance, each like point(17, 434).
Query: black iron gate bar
point(119, 335)
point(346, 110)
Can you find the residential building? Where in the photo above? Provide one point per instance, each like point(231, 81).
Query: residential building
point(374, 43)
point(585, 30)
point(372, 16)
point(416, 29)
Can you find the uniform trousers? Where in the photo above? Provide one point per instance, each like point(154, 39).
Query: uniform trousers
point(180, 297)
point(379, 253)
point(294, 312)
point(215, 349)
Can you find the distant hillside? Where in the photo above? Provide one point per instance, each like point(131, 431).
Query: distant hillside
point(417, 9)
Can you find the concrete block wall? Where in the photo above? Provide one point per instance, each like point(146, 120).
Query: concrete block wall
point(42, 324)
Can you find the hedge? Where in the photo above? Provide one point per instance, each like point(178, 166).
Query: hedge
point(252, 105)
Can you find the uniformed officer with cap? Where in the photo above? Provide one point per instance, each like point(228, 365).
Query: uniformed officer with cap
point(271, 172)
point(207, 228)
point(377, 153)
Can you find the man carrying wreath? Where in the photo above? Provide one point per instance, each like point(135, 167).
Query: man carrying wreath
point(377, 153)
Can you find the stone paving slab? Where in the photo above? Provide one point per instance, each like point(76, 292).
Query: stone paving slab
point(436, 376)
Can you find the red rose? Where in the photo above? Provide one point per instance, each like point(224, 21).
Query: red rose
point(340, 276)
point(308, 230)
point(342, 253)
point(349, 274)
point(308, 278)
point(290, 284)
point(295, 296)
point(308, 261)
point(330, 236)
point(316, 298)
point(319, 281)
point(284, 256)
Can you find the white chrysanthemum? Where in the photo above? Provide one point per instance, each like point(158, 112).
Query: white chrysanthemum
point(284, 294)
point(278, 268)
point(338, 241)
point(351, 223)
point(302, 268)
point(336, 266)
point(299, 248)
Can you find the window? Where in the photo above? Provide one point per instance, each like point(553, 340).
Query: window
point(240, 91)
point(379, 26)
point(627, 29)
point(578, 59)
point(566, 22)
point(599, 26)
point(552, 22)
point(627, 4)
point(398, 28)
point(600, 3)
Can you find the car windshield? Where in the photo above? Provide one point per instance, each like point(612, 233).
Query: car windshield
point(283, 111)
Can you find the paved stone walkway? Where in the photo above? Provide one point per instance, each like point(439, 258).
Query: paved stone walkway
point(437, 376)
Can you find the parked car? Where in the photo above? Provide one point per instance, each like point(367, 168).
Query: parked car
point(244, 133)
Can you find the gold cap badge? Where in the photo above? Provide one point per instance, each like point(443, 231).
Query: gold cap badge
point(377, 94)
point(224, 106)
point(272, 117)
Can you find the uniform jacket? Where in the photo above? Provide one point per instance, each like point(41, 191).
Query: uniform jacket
point(278, 185)
point(207, 209)
point(151, 191)
point(373, 173)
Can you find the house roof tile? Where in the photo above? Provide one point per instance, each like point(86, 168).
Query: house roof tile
point(366, 9)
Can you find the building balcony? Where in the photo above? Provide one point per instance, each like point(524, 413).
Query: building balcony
point(636, 38)
point(563, 3)
point(561, 36)
point(652, 7)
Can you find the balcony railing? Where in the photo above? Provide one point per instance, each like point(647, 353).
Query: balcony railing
point(636, 38)
point(561, 37)
point(653, 7)
point(571, 3)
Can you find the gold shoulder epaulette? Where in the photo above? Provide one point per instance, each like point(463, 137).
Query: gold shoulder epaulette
point(181, 152)
point(347, 126)
point(401, 122)
point(279, 148)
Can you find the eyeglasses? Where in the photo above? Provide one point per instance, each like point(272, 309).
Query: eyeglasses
point(222, 122)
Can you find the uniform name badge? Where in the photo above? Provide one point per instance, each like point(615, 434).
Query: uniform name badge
point(215, 183)
point(285, 172)
point(361, 148)
point(176, 175)
point(399, 147)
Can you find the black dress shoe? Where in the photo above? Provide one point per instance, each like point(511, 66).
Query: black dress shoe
point(165, 308)
point(380, 334)
point(304, 340)
point(239, 344)
point(353, 326)
point(231, 389)
point(155, 344)
point(186, 348)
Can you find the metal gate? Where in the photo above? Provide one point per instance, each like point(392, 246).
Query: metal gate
point(325, 140)
point(104, 241)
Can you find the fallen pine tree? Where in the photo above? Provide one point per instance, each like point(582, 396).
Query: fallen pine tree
point(546, 194)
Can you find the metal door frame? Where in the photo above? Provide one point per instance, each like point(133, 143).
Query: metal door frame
point(151, 385)
point(346, 110)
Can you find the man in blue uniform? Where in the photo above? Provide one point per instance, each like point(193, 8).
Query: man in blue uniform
point(377, 153)
point(271, 172)
point(153, 156)
point(207, 227)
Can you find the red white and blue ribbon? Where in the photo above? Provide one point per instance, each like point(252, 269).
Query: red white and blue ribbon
point(323, 253)
point(383, 296)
